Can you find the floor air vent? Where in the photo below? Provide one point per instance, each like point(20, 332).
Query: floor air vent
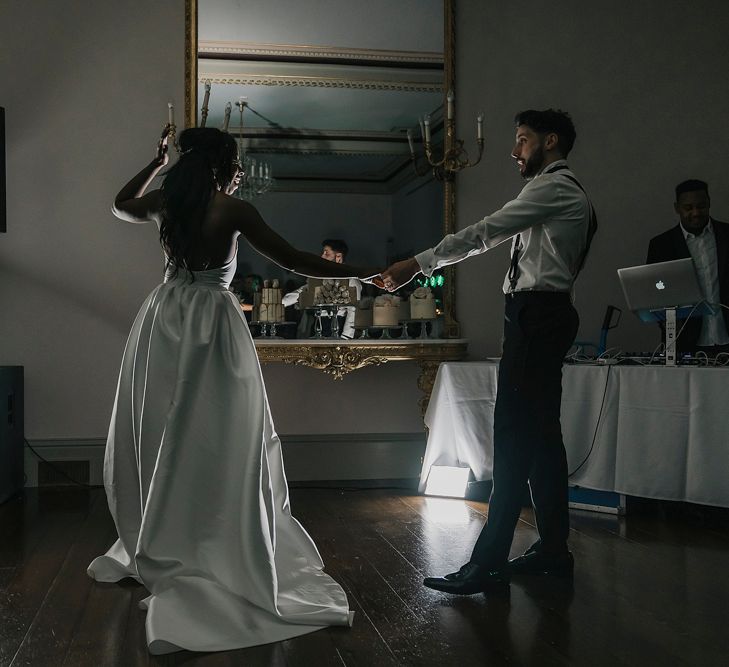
point(58, 473)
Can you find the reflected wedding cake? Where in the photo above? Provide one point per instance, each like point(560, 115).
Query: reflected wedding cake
point(363, 313)
point(422, 304)
point(267, 305)
point(386, 310)
point(327, 291)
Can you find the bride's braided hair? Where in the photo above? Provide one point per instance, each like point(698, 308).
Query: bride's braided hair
point(206, 163)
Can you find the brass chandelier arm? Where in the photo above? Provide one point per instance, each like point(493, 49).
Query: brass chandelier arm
point(456, 158)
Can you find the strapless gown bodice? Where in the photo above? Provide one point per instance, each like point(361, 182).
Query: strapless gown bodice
point(219, 277)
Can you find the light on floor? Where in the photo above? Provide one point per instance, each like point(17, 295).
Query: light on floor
point(447, 481)
point(445, 510)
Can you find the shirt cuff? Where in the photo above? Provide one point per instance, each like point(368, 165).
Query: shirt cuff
point(426, 261)
point(290, 299)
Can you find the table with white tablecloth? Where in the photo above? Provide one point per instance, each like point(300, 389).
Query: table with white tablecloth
point(647, 431)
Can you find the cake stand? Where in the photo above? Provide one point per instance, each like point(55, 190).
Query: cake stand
point(330, 310)
point(268, 329)
point(423, 321)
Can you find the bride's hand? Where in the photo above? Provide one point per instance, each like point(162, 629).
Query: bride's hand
point(372, 276)
point(161, 159)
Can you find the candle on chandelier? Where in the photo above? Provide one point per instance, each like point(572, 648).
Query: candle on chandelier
point(206, 99)
point(410, 143)
point(170, 113)
point(226, 119)
point(422, 129)
point(479, 125)
point(451, 98)
point(426, 122)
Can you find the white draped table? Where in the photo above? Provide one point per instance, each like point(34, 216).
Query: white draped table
point(645, 431)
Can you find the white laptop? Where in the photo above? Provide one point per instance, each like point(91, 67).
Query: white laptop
point(653, 287)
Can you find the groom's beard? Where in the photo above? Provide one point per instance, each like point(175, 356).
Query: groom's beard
point(534, 164)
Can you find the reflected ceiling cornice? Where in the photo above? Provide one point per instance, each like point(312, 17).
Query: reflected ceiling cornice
point(305, 52)
point(321, 82)
point(319, 75)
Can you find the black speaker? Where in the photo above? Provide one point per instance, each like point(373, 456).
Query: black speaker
point(11, 431)
point(3, 206)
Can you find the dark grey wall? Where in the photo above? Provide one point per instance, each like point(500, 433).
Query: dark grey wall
point(646, 84)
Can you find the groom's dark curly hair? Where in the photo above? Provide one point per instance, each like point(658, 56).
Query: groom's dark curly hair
point(207, 156)
point(550, 120)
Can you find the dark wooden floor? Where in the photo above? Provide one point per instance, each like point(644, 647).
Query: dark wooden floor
point(649, 589)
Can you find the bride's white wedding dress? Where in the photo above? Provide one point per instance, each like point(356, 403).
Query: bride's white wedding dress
point(195, 482)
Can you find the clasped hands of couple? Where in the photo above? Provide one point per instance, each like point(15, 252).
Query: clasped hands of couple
point(396, 275)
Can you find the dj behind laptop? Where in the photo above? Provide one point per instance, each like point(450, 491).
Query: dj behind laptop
point(665, 292)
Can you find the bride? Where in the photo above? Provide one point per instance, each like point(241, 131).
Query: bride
point(193, 469)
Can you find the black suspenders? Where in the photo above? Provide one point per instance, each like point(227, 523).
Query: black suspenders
point(513, 274)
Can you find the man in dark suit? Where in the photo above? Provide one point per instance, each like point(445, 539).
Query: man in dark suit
point(706, 241)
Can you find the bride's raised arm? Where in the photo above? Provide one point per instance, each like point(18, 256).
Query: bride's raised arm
point(131, 204)
point(266, 241)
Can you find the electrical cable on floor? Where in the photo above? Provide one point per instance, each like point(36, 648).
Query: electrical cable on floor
point(597, 425)
point(58, 470)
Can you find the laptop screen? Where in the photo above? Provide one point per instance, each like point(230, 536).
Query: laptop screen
point(662, 285)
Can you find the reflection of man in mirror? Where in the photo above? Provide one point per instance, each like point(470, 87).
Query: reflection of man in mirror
point(334, 250)
point(550, 225)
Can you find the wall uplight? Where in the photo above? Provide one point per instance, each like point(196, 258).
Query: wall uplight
point(448, 481)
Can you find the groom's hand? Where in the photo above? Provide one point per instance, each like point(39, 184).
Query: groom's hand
point(400, 273)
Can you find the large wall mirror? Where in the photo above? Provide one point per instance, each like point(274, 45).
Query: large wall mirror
point(329, 91)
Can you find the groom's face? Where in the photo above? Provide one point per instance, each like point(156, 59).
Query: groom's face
point(331, 255)
point(528, 151)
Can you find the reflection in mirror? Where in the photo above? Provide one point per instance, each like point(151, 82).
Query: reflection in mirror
point(329, 91)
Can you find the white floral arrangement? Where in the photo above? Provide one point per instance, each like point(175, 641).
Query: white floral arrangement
point(387, 300)
point(422, 293)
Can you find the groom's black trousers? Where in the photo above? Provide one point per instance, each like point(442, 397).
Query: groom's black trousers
point(539, 328)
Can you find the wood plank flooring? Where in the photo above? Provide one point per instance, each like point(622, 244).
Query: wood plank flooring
point(649, 589)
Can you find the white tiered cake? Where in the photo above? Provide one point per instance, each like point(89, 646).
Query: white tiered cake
point(363, 313)
point(386, 310)
point(422, 304)
point(267, 306)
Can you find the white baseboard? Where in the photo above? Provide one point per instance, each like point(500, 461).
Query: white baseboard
point(308, 458)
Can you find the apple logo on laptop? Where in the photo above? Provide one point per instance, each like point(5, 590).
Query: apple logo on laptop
point(660, 285)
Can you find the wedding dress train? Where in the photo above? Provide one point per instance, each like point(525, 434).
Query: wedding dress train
point(196, 485)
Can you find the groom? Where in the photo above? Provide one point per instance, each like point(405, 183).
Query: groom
point(551, 224)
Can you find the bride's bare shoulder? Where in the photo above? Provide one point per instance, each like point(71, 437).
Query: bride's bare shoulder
point(236, 212)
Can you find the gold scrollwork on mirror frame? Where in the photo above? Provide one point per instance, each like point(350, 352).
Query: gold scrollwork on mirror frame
point(336, 360)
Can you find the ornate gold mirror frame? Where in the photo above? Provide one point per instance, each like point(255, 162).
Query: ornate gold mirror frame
point(340, 357)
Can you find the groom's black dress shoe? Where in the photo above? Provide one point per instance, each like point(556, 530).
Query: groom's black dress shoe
point(471, 578)
point(537, 562)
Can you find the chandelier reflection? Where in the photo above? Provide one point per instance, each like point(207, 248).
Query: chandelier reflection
point(256, 177)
